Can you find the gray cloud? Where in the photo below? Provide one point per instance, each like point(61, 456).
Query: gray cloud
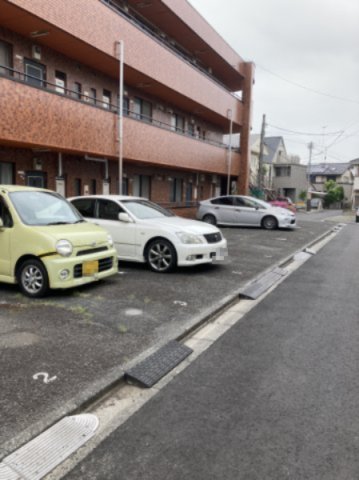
point(311, 43)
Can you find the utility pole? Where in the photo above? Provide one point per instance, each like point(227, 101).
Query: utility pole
point(310, 146)
point(261, 151)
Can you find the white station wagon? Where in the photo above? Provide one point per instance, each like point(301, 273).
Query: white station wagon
point(143, 231)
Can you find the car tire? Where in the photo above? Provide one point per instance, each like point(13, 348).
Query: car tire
point(33, 278)
point(210, 219)
point(270, 223)
point(161, 256)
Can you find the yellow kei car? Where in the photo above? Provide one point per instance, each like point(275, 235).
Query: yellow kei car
point(45, 243)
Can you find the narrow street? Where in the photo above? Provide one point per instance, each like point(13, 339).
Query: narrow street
point(274, 398)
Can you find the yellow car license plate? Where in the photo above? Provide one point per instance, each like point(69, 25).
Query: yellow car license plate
point(90, 267)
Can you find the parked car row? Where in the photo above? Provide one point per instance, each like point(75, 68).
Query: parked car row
point(48, 242)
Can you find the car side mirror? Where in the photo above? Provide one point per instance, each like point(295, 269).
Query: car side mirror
point(124, 217)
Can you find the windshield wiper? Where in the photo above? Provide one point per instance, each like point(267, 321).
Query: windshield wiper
point(59, 223)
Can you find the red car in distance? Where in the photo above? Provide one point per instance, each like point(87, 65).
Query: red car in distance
point(284, 202)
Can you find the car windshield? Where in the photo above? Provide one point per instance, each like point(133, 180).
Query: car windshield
point(144, 209)
point(44, 208)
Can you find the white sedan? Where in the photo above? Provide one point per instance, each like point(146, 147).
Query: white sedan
point(244, 211)
point(145, 232)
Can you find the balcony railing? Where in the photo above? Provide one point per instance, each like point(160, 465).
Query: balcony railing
point(42, 84)
point(161, 37)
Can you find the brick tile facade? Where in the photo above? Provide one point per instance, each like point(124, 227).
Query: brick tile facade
point(45, 133)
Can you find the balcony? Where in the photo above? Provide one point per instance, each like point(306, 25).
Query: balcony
point(166, 76)
point(160, 144)
point(34, 117)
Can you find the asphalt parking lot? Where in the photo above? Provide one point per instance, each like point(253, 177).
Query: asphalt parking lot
point(57, 352)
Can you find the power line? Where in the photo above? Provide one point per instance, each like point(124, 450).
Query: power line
point(334, 97)
point(306, 133)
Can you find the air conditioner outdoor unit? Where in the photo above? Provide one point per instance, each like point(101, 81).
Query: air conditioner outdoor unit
point(36, 52)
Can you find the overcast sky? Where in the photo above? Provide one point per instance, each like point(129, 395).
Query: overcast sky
point(299, 47)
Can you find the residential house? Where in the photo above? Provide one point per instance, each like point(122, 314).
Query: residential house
point(276, 152)
point(255, 142)
point(341, 173)
point(61, 127)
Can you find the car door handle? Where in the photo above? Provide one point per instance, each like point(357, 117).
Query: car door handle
point(238, 210)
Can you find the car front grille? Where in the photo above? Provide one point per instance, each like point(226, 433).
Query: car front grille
point(91, 250)
point(213, 237)
point(103, 265)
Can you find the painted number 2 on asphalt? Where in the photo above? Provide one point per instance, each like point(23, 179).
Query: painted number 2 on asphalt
point(46, 377)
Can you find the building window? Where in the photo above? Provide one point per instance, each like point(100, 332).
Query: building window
point(282, 171)
point(106, 98)
point(141, 186)
point(92, 96)
point(35, 73)
point(125, 106)
point(60, 82)
point(77, 186)
point(36, 179)
point(6, 173)
point(125, 186)
point(6, 64)
point(191, 129)
point(143, 110)
point(77, 90)
point(177, 123)
point(176, 190)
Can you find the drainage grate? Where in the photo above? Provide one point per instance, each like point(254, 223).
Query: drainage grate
point(258, 287)
point(42, 454)
point(153, 368)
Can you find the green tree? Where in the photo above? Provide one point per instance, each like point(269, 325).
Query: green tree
point(303, 195)
point(335, 193)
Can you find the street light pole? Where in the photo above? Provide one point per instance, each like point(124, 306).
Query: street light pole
point(229, 115)
point(120, 116)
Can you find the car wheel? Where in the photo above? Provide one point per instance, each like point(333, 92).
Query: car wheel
point(269, 223)
point(161, 256)
point(33, 278)
point(210, 219)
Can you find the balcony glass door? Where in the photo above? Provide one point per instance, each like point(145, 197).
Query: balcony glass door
point(34, 73)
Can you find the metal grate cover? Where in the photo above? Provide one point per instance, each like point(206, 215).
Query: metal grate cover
point(42, 454)
point(157, 365)
point(258, 287)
